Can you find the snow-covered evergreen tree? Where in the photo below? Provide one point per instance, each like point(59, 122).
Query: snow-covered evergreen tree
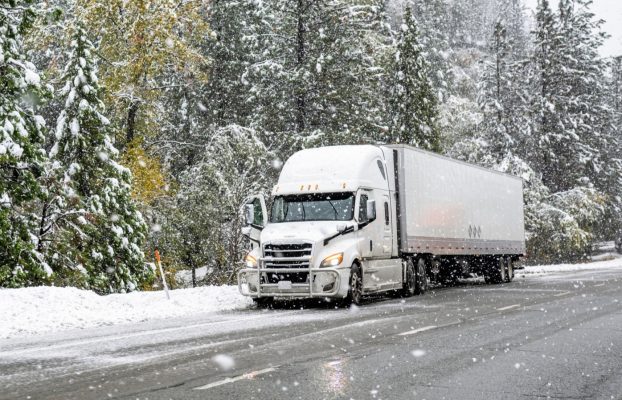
point(232, 46)
point(503, 96)
point(317, 80)
point(108, 232)
point(569, 109)
point(21, 153)
point(413, 102)
point(204, 228)
point(511, 14)
point(433, 25)
point(570, 120)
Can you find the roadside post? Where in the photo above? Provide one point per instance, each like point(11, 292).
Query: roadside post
point(157, 258)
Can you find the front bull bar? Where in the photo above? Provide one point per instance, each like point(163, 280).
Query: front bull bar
point(306, 289)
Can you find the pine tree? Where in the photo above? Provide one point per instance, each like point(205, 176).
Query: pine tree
point(546, 66)
point(511, 13)
point(211, 192)
point(570, 119)
point(569, 110)
point(431, 19)
point(503, 98)
point(108, 232)
point(232, 46)
point(21, 153)
point(317, 80)
point(413, 102)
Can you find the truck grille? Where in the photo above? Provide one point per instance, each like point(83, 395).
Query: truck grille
point(287, 256)
point(288, 250)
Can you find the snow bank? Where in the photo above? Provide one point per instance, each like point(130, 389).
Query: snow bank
point(184, 277)
point(37, 310)
point(545, 269)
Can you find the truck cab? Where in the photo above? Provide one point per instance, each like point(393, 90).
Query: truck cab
point(330, 231)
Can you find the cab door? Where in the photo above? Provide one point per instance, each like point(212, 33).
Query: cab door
point(367, 228)
point(255, 217)
point(387, 221)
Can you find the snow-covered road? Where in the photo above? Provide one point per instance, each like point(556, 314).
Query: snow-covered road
point(33, 311)
point(456, 335)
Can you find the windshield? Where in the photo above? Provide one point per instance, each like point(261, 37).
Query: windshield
point(313, 207)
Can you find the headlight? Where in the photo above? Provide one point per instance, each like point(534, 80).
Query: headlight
point(332, 261)
point(250, 261)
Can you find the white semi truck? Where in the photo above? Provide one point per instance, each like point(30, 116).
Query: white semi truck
point(347, 221)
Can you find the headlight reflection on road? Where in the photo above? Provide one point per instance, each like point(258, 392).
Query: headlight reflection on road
point(335, 377)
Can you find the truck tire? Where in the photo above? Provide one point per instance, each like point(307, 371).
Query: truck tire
point(421, 282)
point(355, 287)
point(496, 271)
point(410, 282)
point(510, 270)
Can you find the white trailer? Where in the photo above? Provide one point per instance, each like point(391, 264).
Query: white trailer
point(347, 221)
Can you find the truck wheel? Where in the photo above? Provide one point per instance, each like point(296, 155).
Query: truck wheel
point(495, 271)
point(355, 287)
point(411, 279)
point(421, 281)
point(263, 302)
point(503, 273)
point(510, 270)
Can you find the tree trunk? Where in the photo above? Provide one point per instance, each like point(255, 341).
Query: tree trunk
point(131, 120)
point(300, 59)
point(44, 217)
point(194, 276)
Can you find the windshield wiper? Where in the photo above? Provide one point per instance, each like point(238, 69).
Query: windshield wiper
point(347, 230)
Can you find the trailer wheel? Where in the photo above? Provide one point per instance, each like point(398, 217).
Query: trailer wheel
point(496, 271)
point(421, 282)
point(503, 273)
point(410, 282)
point(355, 287)
point(510, 270)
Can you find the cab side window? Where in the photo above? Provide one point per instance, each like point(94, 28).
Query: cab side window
point(363, 208)
point(258, 214)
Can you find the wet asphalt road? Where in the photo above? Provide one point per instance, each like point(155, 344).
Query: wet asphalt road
point(552, 336)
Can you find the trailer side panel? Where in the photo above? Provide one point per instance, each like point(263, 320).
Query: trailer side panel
point(450, 207)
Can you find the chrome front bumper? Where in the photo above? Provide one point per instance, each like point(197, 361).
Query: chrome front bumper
point(321, 282)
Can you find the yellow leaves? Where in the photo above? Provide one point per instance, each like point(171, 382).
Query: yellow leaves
point(149, 181)
point(145, 46)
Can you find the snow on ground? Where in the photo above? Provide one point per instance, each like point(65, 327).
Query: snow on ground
point(184, 277)
point(43, 309)
point(37, 310)
point(614, 261)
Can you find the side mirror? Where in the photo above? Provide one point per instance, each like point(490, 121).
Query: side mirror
point(249, 213)
point(371, 210)
point(341, 227)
